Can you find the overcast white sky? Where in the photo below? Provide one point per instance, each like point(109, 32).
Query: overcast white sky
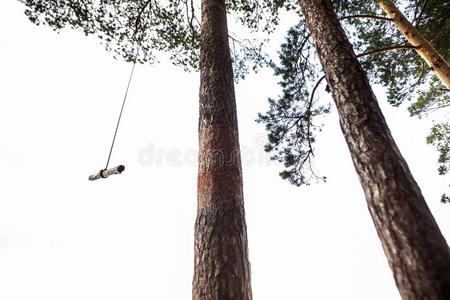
point(131, 236)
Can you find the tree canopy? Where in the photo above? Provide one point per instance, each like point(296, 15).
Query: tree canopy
point(387, 58)
point(172, 26)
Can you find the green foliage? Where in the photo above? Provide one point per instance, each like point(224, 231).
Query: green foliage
point(436, 97)
point(172, 26)
point(402, 72)
point(445, 198)
point(247, 55)
point(259, 14)
point(153, 25)
point(290, 121)
point(440, 138)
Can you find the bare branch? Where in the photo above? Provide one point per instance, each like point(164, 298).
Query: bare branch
point(308, 109)
point(305, 40)
point(366, 17)
point(415, 14)
point(240, 43)
point(191, 25)
point(420, 14)
point(396, 47)
point(438, 107)
point(190, 20)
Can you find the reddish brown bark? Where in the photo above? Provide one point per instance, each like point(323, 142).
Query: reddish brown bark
point(221, 267)
point(414, 246)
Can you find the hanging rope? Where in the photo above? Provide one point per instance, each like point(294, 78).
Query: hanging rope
point(119, 169)
point(121, 109)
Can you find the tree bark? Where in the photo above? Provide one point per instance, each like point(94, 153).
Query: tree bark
point(417, 252)
point(433, 58)
point(221, 267)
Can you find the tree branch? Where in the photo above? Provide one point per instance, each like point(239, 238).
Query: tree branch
point(240, 43)
point(308, 110)
point(422, 74)
point(192, 16)
point(301, 49)
point(191, 19)
point(420, 14)
point(396, 47)
point(138, 18)
point(366, 17)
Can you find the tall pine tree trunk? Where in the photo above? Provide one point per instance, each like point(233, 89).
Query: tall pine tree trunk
point(417, 252)
point(433, 58)
point(221, 267)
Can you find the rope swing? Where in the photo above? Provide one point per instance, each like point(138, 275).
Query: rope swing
point(104, 173)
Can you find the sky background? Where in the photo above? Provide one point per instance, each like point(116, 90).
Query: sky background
point(131, 236)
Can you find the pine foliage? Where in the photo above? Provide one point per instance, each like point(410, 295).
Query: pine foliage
point(291, 118)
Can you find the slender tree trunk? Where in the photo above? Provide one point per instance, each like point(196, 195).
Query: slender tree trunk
point(433, 58)
point(415, 248)
point(221, 267)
